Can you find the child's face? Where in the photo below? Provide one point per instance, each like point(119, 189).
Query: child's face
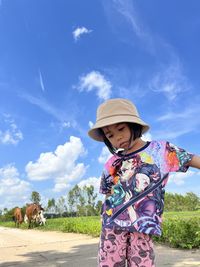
point(118, 134)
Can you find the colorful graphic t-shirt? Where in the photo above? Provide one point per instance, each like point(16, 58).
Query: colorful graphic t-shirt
point(128, 176)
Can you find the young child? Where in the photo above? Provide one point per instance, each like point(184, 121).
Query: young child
point(133, 181)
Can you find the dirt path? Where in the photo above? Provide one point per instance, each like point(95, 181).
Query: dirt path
point(28, 248)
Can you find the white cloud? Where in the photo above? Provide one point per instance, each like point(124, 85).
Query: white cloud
point(147, 137)
point(59, 165)
point(94, 80)
point(59, 187)
point(12, 135)
point(13, 190)
point(96, 183)
point(64, 182)
point(79, 31)
point(90, 124)
point(179, 178)
point(92, 181)
point(104, 156)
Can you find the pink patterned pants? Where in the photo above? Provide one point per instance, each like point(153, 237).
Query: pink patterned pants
point(118, 248)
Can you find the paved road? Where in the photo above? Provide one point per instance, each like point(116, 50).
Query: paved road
point(33, 248)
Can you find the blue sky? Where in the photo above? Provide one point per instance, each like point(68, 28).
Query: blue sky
point(60, 59)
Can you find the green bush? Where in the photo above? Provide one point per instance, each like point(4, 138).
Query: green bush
point(84, 225)
point(180, 230)
point(181, 233)
point(177, 232)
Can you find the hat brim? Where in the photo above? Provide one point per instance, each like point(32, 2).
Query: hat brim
point(95, 133)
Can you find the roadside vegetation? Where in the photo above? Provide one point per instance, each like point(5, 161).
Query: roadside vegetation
point(181, 218)
point(180, 229)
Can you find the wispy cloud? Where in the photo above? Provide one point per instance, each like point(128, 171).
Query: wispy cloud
point(48, 108)
point(126, 12)
point(41, 81)
point(95, 81)
point(11, 133)
point(126, 9)
point(170, 81)
point(178, 123)
point(187, 114)
point(80, 31)
point(44, 105)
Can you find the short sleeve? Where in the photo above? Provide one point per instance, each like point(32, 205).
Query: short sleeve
point(176, 158)
point(105, 183)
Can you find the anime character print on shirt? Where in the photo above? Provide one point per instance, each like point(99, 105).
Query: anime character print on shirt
point(131, 177)
point(126, 177)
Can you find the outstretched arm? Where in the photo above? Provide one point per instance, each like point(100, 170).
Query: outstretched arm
point(195, 162)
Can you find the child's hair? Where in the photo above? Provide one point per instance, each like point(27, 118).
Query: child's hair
point(136, 132)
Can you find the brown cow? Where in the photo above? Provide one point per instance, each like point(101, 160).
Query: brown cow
point(18, 218)
point(32, 211)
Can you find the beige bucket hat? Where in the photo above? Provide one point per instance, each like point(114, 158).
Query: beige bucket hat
point(115, 111)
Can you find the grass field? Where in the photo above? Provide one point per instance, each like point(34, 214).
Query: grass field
point(180, 229)
point(181, 214)
point(92, 223)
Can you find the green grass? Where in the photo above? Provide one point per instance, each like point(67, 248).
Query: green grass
point(180, 229)
point(181, 214)
point(86, 225)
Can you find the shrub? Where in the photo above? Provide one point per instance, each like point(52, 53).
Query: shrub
point(84, 225)
point(181, 233)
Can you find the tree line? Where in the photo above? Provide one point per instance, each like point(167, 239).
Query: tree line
point(83, 201)
point(178, 202)
point(80, 201)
